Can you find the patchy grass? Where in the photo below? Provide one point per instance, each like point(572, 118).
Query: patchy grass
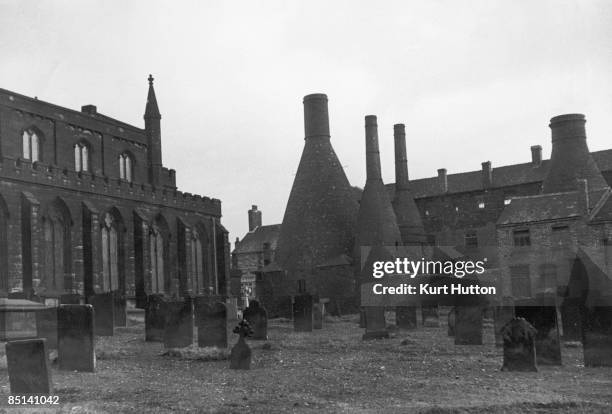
point(328, 370)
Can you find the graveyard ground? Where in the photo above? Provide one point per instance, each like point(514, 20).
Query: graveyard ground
point(331, 370)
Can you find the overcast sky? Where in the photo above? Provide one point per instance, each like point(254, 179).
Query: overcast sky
point(472, 80)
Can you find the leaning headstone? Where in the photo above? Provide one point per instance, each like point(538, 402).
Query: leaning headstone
point(178, 329)
point(46, 326)
point(240, 356)
point(75, 337)
point(257, 317)
point(597, 336)
point(104, 307)
point(211, 320)
point(155, 319)
point(302, 313)
point(501, 316)
point(468, 325)
point(28, 367)
point(430, 316)
point(317, 316)
point(120, 310)
point(519, 346)
point(544, 320)
point(406, 317)
point(451, 322)
point(376, 325)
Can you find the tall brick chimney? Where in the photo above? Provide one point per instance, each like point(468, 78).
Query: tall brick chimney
point(570, 158)
point(487, 174)
point(406, 211)
point(254, 218)
point(443, 180)
point(536, 155)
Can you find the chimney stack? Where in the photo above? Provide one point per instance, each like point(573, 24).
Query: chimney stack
point(372, 151)
point(443, 180)
point(89, 109)
point(254, 218)
point(401, 160)
point(316, 116)
point(536, 155)
point(487, 174)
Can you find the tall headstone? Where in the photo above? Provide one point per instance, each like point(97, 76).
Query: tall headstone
point(257, 316)
point(211, 320)
point(406, 317)
point(597, 336)
point(431, 317)
point(155, 319)
point(544, 319)
point(468, 325)
point(302, 313)
point(452, 322)
point(376, 325)
point(46, 326)
point(75, 336)
point(104, 307)
point(178, 329)
point(317, 316)
point(519, 346)
point(28, 367)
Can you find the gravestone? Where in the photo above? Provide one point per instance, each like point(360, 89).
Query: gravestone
point(104, 307)
point(155, 319)
point(406, 317)
point(519, 346)
point(46, 326)
point(178, 329)
point(597, 336)
point(501, 316)
point(28, 367)
point(451, 322)
point(430, 316)
point(544, 319)
point(75, 337)
point(468, 325)
point(211, 320)
point(240, 356)
point(302, 313)
point(376, 325)
point(120, 310)
point(257, 316)
point(317, 316)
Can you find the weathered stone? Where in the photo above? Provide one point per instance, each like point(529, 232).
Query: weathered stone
point(519, 346)
point(317, 316)
point(28, 367)
point(406, 317)
point(302, 313)
point(547, 342)
point(240, 356)
point(18, 319)
point(430, 316)
point(46, 326)
point(570, 321)
point(178, 329)
point(597, 336)
point(155, 319)
point(468, 325)
point(104, 309)
point(75, 336)
point(257, 316)
point(211, 320)
point(451, 322)
point(376, 326)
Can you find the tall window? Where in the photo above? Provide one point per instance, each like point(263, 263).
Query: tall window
point(56, 249)
point(31, 145)
point(197, 264)
point(521, 284)
point(548, 277)
point(126, 167)
point(81, 157)
point(110, 254)
point(156, 240)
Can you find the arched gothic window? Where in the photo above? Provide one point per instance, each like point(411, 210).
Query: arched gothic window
point(31, 145)
point(197, 264)
point(110, 254)
point(126, 167)
point(81, 157)
point(156, 240)
point(56, 249)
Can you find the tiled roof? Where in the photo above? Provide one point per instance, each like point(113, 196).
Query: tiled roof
point(542, 207)
point(504, 176)
point(254, 240)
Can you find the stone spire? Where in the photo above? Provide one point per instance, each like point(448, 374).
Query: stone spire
point(151, 110)
point(152, 119)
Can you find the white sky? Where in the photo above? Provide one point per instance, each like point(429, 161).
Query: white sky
point(472, 80)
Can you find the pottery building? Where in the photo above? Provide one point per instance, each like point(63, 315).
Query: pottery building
point(87, 208)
